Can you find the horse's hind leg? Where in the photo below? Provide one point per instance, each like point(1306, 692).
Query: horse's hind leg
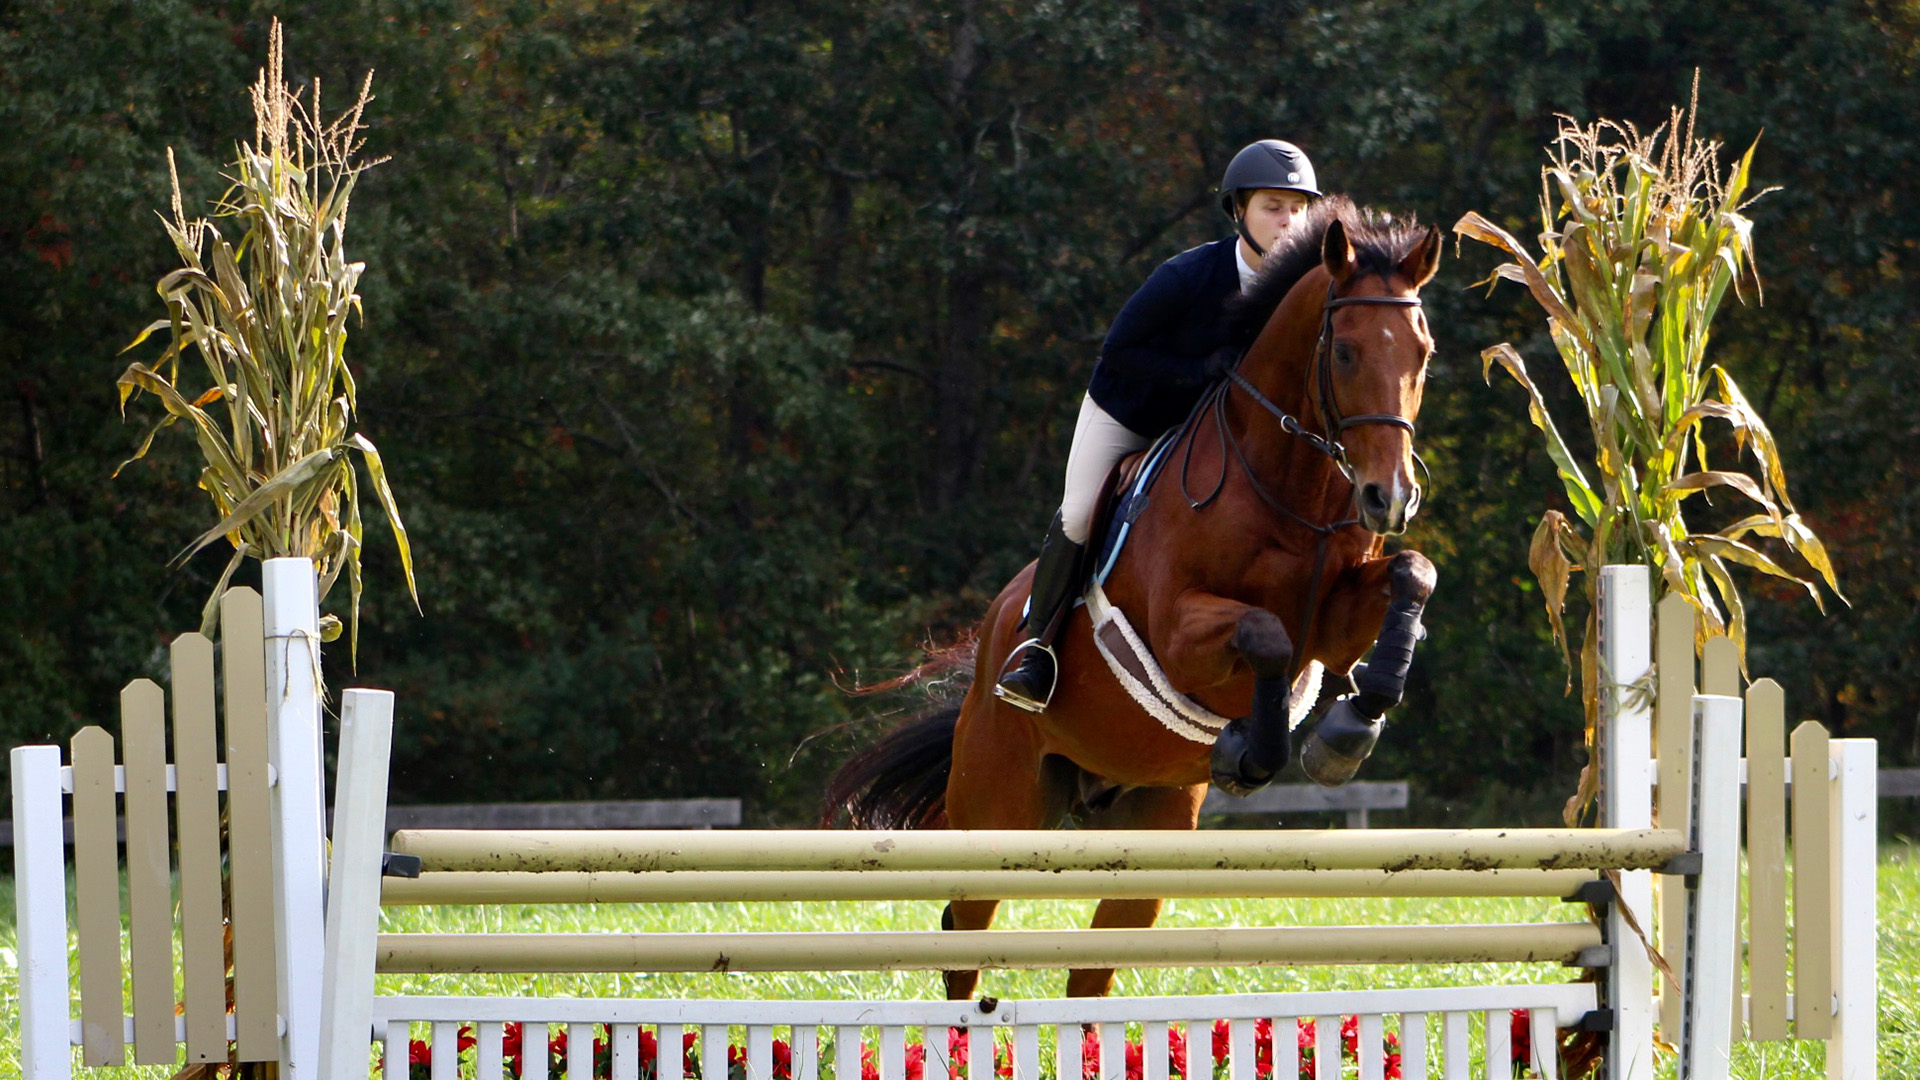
point(1139, 808)
point(999, 781)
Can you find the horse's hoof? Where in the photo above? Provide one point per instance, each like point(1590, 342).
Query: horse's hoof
point(1338, 744)
point(1231, 771)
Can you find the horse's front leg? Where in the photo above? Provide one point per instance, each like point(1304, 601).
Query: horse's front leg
point(1212, 634)
point(1347, 733)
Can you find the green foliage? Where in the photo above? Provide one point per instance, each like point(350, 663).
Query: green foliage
point(721, 348)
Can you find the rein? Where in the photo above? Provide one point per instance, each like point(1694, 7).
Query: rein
point(1336, 425)
point(1329, 444)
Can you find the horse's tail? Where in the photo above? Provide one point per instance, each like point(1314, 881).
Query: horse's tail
point(900, 782)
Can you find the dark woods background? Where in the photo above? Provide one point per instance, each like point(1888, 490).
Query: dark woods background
point(725, 351)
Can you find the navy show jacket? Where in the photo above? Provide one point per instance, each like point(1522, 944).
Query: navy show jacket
point(1150, 371)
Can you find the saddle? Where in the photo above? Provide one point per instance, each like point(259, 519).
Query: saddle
point(1122, 500)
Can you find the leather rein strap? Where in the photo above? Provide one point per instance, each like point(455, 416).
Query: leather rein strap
point(1329, 444)
point(1335, 424)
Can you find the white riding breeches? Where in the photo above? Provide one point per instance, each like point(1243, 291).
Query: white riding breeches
point(1098, 441)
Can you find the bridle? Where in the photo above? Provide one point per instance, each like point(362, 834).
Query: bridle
point(1323, 375)
point(1336, 425)
point(1328, 444)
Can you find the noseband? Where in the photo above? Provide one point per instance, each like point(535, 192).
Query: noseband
point(1336, 424)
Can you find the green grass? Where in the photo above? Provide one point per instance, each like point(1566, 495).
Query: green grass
point(1899, 889)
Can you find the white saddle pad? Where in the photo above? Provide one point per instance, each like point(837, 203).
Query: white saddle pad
point(1132, 663)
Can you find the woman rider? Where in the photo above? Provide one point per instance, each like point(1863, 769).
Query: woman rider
point(1162, 351)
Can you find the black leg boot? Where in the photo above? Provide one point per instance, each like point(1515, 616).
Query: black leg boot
point(1055, 577)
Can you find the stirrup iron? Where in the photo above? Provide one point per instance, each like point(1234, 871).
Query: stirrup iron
point(1014, 660)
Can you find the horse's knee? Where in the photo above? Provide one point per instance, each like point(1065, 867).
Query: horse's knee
point(1382, 680)
point(1261, 639)
point(1411, 578)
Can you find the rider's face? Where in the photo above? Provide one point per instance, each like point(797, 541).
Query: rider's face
point(1269, 214)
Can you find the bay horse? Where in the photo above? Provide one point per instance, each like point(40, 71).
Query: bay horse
point(1294, 471)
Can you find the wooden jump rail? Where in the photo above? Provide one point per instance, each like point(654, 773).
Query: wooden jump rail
point(759, 865)
point(721, 886)
point(303, 969)
point(565, 866)
point(935, 950)
point(1387, 850)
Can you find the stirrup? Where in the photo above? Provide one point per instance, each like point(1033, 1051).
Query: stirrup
point(1021, 701)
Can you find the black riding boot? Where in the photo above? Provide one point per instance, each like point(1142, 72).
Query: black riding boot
point(1055, 577)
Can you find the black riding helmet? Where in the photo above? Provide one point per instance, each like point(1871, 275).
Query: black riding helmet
point(1267, 165)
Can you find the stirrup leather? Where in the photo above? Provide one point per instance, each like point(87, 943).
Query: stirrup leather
point(1021, 701)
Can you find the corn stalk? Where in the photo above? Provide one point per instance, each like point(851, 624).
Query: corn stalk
point(266, 314)
point(1642, 239)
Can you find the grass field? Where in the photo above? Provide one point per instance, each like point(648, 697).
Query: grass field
point(1899, 888)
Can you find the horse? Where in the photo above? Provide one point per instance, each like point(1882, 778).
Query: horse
point(1294, 471)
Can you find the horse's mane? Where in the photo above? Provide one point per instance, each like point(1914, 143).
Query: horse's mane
point(1380, 242)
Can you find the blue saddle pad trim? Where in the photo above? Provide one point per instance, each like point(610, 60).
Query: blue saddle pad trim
point(1128, 507)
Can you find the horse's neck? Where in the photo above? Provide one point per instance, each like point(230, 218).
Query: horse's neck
point(1280, 366)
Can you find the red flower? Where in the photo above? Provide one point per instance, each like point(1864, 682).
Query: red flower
point(465, 1040)
point(1089, 1054)
point(419, 1053)
point(1521, 1033)
point(916, 1062)
point(1131, 1054)
point(1262, 1046)
point(957, 1048)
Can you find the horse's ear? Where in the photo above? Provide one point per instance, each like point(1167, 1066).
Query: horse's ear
point(1420, 263)
point(1336, 252)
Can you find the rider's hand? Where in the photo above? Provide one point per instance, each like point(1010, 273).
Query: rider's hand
point(1223, 360)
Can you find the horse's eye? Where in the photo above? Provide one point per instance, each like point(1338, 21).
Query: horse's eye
point(1343, 353)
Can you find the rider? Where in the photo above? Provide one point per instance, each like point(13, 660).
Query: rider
point(1164, 348)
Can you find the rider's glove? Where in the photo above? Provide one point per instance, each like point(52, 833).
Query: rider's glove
point(1223, 360)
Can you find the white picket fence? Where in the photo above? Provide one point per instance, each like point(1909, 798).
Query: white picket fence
point(1025, 1039)
point(306, 946)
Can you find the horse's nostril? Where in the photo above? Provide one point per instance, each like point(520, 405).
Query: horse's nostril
point(1372, 500)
